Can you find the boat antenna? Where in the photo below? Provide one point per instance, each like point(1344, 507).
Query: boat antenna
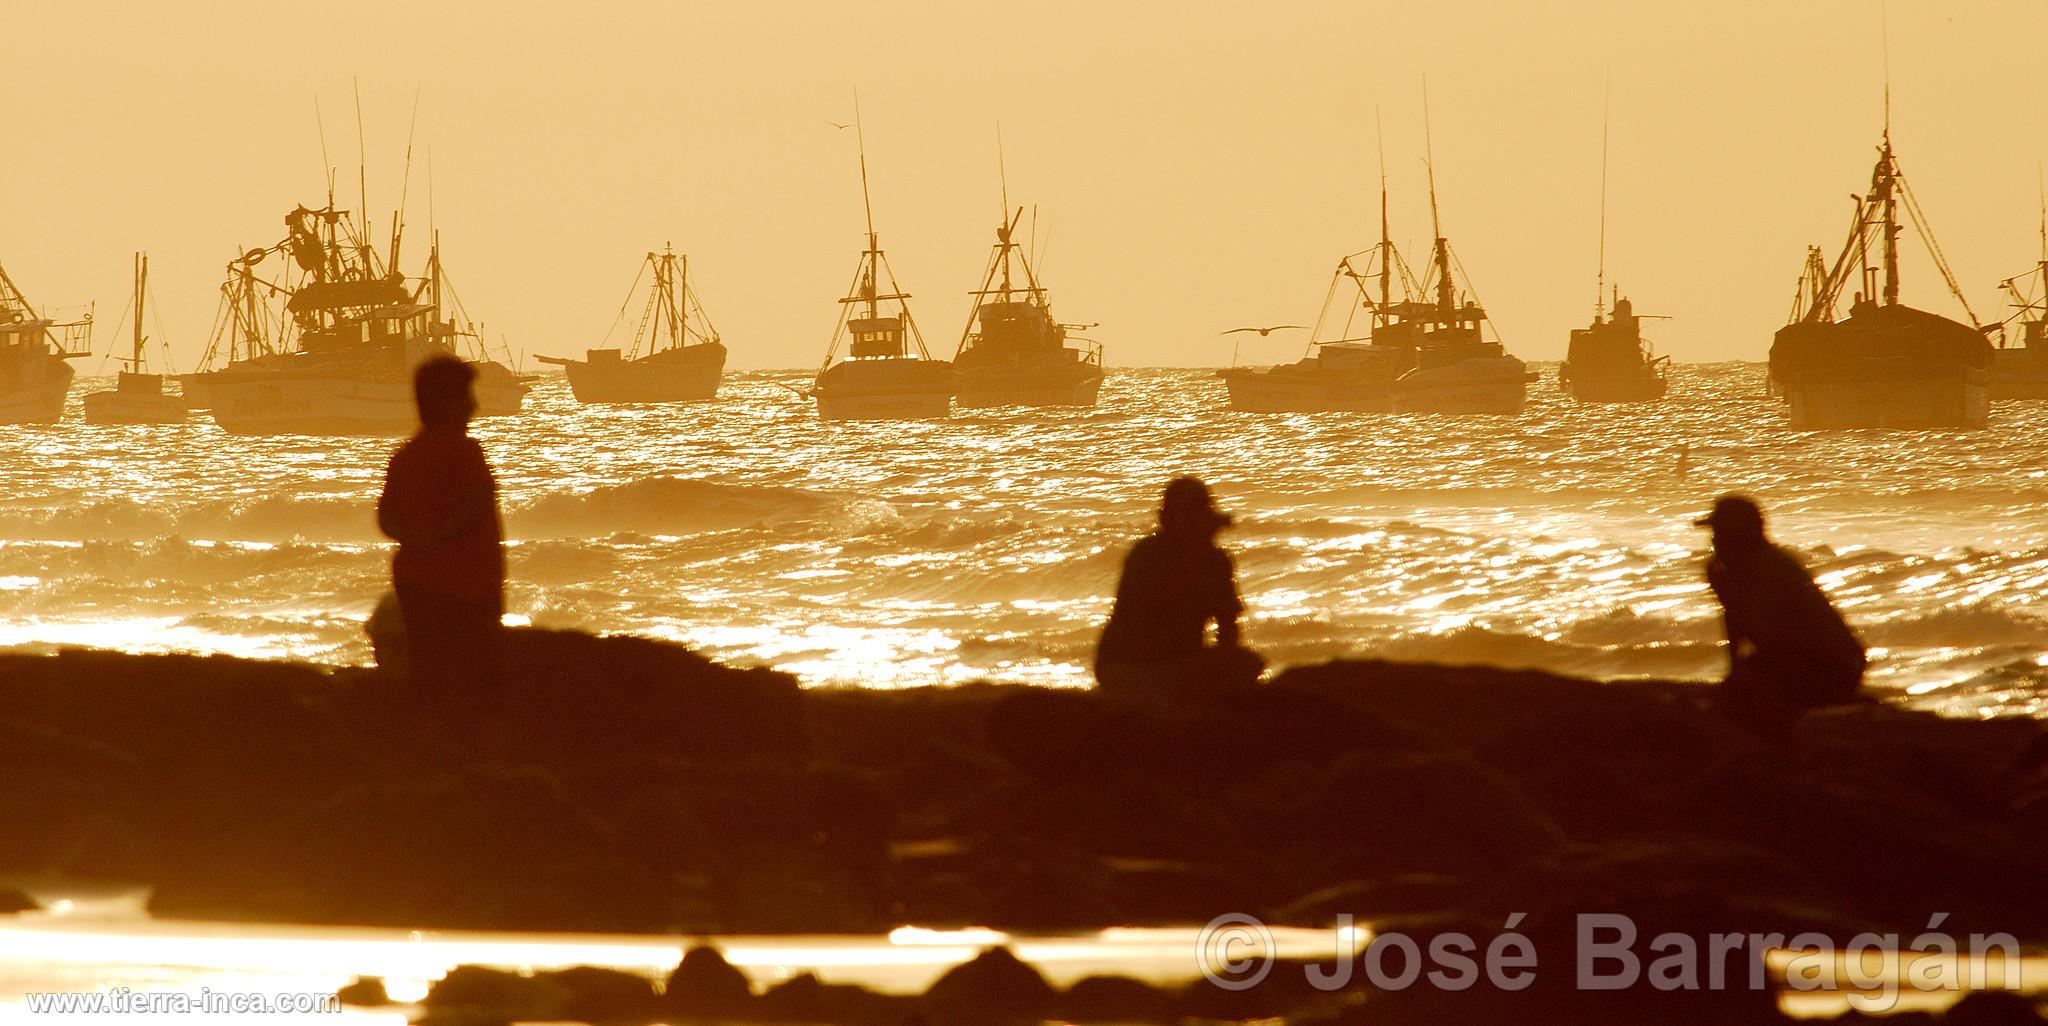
point(1600, 281)
point(1007, 225)
point(141, 282)
point(405, 184)
point(1386, 242)
point(326, 168)
point(1002, 171)
point(1444, 288)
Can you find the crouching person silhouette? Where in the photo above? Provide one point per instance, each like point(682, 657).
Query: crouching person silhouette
point(1175, 581)
point(440, 504)
point(1788, 649)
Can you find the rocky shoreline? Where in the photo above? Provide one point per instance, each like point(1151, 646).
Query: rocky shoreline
point(638, 787)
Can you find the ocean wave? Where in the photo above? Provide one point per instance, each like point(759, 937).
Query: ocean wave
point(673, 505)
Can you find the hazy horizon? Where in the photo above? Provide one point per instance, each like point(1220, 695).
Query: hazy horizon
point(1193, 168)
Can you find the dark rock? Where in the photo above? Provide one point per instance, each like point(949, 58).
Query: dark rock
point(13, 902)
point(807, 999)
point(992, 987)
point(365, 992)
point(705, 984)
point(1993, 1008)
point(1118, 999)
point(1367, 901)
point(1426, 814)
point(603, 996)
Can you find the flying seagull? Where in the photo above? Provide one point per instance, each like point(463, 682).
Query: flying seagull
point(836, 124)
point(1263, 332)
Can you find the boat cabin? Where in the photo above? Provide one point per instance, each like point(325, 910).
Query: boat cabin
point(875, 338)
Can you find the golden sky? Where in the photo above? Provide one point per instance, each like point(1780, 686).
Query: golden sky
point(1195, 166)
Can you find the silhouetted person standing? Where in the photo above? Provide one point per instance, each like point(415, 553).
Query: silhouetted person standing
point(1175, 581)
point(1788, 649)
point(440, 504)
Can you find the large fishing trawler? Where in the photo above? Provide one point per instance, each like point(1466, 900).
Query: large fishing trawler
point(1431, 350)
point(684, 356)
point(34, 374)
point(337, 357)
point(138, 396)
point(885, 372)
point(1885, 365)
point(1012, 351)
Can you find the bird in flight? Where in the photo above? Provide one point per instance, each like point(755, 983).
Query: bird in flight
point(1269, 329)
point(836, 124)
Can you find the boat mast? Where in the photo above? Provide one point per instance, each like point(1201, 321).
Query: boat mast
point(141, 283)
point(1600, 285)
point(1386, 242)
point(1445, 293)
point(874, 253)
point(681, 312)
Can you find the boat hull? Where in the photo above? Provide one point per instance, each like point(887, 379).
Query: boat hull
point(894, 388)
point(1957, 400)
point(133, 406)
point(1278, 391)
point(33, 383)
point(2019, 374)
point(1882, 367)
point(1493, 385)
point(1058, 387)
point(680, 375)
point(300, 394)
point(1613, 388)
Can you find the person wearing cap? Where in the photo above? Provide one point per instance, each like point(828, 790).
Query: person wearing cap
point(1789, 650)
point(440, 503)
point(1175, 581)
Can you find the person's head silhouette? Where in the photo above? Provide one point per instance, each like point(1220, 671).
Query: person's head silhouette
point(441, 387)
point(1188, 509)
point(1737, 522)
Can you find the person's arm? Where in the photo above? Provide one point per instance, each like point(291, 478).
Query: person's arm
point(472, 500)
point(1229, 607)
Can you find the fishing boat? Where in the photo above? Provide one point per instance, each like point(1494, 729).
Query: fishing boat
point(138, 396)
point(1432, 349)
point(1885, 365)
point(877, 366)
point(1609, 361)
point(34, 374)
point(684, 356)
point(1013, 352)
point(2019, 367)
point(319, 336)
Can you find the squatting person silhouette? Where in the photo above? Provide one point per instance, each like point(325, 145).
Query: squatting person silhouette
point(1174, 582)
point(440, 504)
point(1788, 649)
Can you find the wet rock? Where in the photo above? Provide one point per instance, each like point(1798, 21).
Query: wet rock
point(992, 987)
point(13, 902)
point(704, 984)
point(1993, 1008)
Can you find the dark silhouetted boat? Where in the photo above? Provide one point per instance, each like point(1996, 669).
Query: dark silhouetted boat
point(684, 356)
point(34, 374)
point(325, 342)
point(1013, 352)
point(138, 396)
point(877, 366)
point(1885, 365)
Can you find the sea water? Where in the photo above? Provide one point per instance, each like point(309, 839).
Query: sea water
point(986, 546)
